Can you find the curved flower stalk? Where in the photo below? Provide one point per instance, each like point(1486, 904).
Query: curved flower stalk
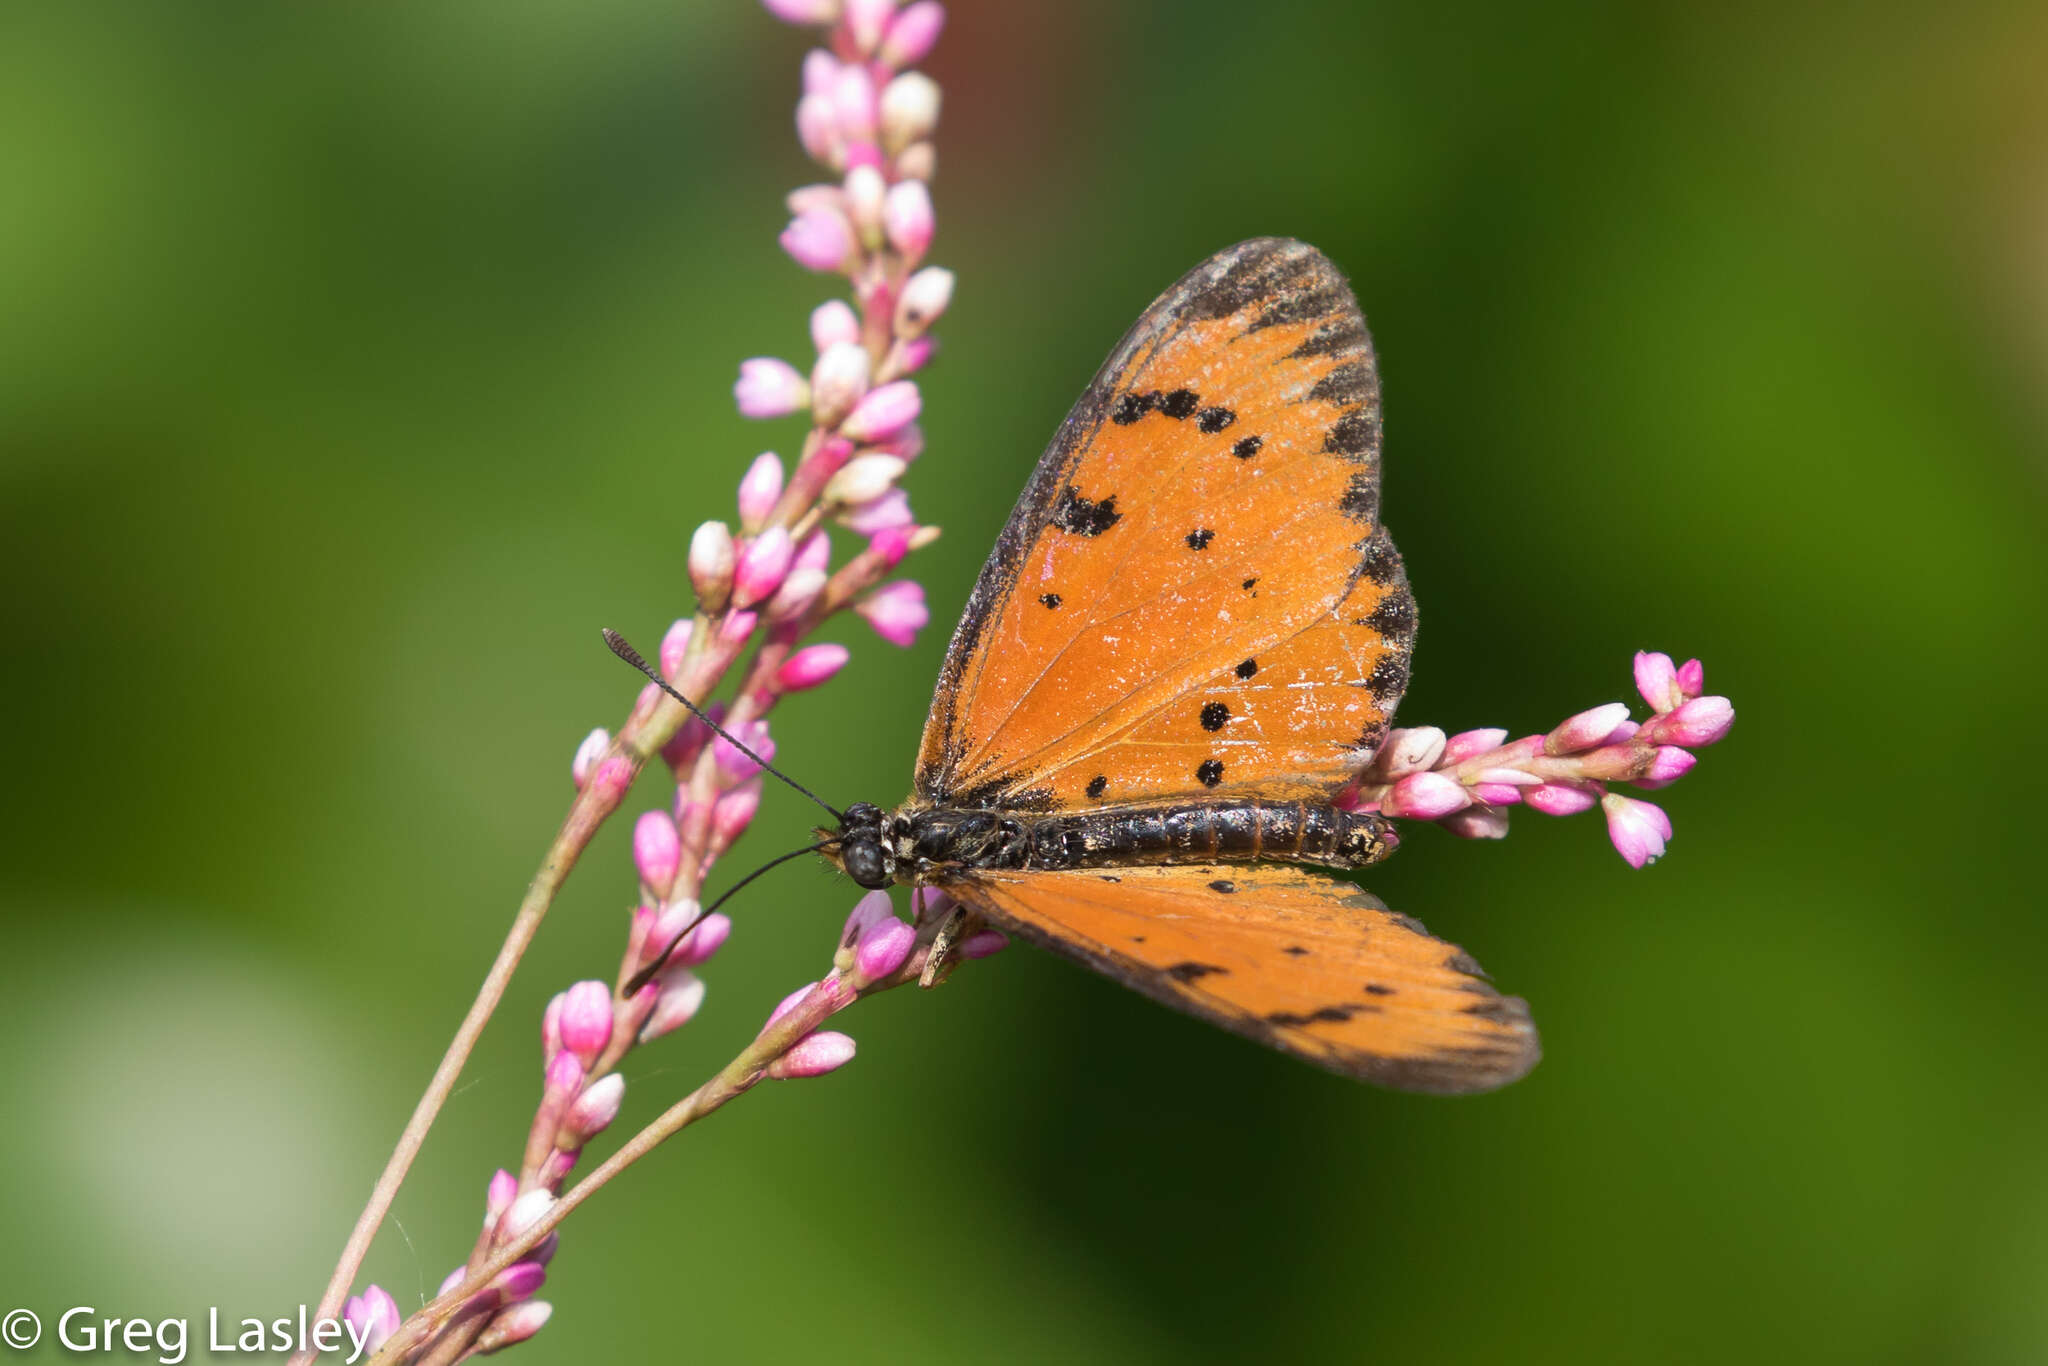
point(764, 584)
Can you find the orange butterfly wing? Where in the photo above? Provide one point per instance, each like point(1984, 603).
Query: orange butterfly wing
point(1302, 962)
point(1194, 594)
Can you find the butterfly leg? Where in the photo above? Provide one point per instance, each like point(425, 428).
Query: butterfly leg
point(936, 964)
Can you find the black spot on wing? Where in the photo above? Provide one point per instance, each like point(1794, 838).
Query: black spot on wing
point(1394, 618)
point(1355, 434)
point(1098, 785)
point(1224, 886)
point(1378, 989)
point(1049, 599)
point(1322, 1015)
point(1361, 501)
point(1194, 972)
point(1213, 420)
point(1249, 584)
point(1378, 560)
point(1181, 403)
point(1199, 538)
point(1247, 668)
point(1131, 407)
point(1209, 772)
point(1247, 447)
point(1083, 517)
point(1343, 333)
point(1214, 716)
point(1295, 951)
point(1388, 677)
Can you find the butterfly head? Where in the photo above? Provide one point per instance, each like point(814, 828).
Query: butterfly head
point(860, 850)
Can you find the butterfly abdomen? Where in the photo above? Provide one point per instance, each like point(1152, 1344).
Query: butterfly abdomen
point(1195, 832)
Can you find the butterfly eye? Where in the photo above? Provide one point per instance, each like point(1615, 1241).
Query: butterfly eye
point(865, 864)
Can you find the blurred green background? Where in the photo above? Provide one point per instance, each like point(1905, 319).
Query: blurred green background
point(358, 363)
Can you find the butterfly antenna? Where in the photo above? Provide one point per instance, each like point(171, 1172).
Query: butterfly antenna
point(646, 974)
point(632, 656)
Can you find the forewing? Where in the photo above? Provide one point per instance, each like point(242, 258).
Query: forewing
point(1303, 962)
point(1194, 594)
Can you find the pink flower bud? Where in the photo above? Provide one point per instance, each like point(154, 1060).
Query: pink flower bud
point(820, 69)
point(865, 190)
point(738, 626)
point(853, 102)
point(768, 387)
point(586, 1021)
point(913, 355)
point(760, 489)
point(882, 949)
point(1496, 794)
point(734, 765)
point(797, 593)
point(883, 412)
point(910, 110)
point(528, 1210)
point(912, 34)
point(373, 1315)
point(924, 298)
point(810, 666)
point(702, 942)
point(890, 545)
point(1470, 744)
point(814, 1055)
point(682, 996)
point(712, 560)
point(594, 1110)
point(761, 566)
point(803, 11)
point(513, 1325)
point(675, 643)
point(1586, 730)
point(896, 611)
point(657, 850)
point(588, 754)
point(499, 1195)
point(864, 479)
point(891, 511)
point(815, 241)
point(734, 812)
point(1697, 723)
point(1668, 765)
point(787, 1004)
point(1425, 796)
point(519, 1280)
point(866, 21)
point(1657, 680)
point(1560, 799)
point(1477, 823)
point(1692, 678)
point(551, 1028)
point(817, 129)
point(1410, 751)
point(832, 322)
point(983, 943)
point(918, 161)
point(838, 382)
point(907, 218)
point(1639, 829)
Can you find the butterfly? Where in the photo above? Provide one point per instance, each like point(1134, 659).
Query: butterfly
point(1190, 636)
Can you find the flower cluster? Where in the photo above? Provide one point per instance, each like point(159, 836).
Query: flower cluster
point(1466, 782)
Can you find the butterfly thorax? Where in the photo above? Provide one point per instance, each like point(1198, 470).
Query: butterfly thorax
point(919, 843)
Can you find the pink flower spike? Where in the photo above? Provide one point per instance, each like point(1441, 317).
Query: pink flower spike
point(812, 665)
point(594, 1110)
point(1477, 823)
point(586, 1021)
point(803, 11)
point(682, 996)
point(1695, 724)
point(912, 34)
point(1559, 799)
point(500, 1194)
point(838, 382)
point(1586, 730)
point(909, 111)
point(882, 950)
point(925, 297)
point(1657, 680)
point(374, 1316)
point(587, 756)
point(675, 643)
point(815, 241)
point(891, 511)
point(1639, 829)
point(788, 1003)
point(1468, 744)
point(1496, 794)
point(884, 412)
point(867, 21)
point(707, 939)
point(519, 1280)
point(983, 943)
point(760, 489)
point(768, 387)
point(761, 566)
point(834, 321)
point(1692, 679)
point(657, 850)
point(896, 611)
point(513, 1325)
point(1425, 796)
point(907, 218)
point(819, 1052)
